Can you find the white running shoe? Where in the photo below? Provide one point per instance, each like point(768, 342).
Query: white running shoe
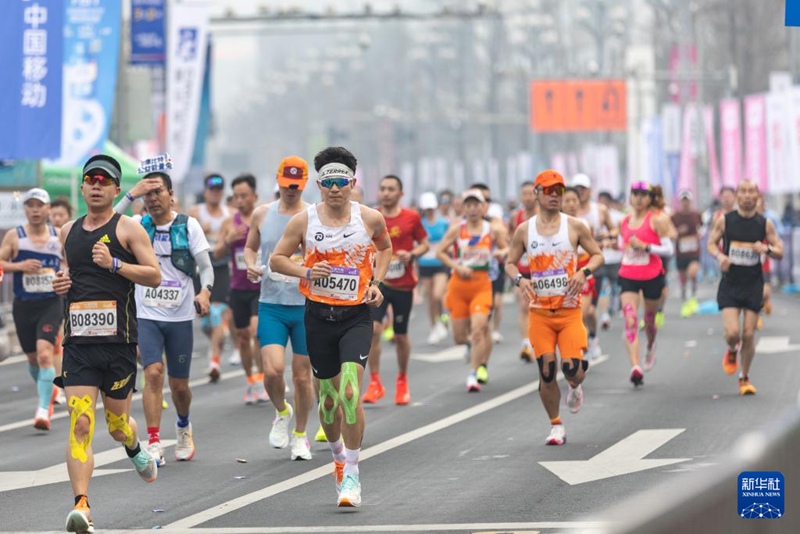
point(433, 337)
point(650, 358)
point(473, 386)
point(184, 447)
point(558, 436)
point(145, 465)
point(594, 349)
point(574, 398)
point(157, 451)
point(301, 450)
point(235, 358)
point(279, 435)
point(605, 321)
point(61, 398)
point(350, 495)
point(497, 337)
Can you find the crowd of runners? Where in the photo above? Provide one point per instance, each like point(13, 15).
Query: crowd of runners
point(100, 296)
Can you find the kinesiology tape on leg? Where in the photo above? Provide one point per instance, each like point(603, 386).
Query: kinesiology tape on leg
point(650, 327)
point(631, 328)
point(551, 370)
point(120, 422)
point(327, 391)
point(349, 376)
point(80, 406)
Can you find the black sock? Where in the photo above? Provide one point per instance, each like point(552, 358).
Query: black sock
point(78, 499)
point(133, 452)
point(592, 335)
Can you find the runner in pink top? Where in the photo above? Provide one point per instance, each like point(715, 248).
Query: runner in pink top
point(644, 240)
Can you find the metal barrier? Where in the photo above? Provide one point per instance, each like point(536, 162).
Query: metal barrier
point(706, 502)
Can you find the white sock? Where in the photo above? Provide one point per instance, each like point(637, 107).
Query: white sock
point(337, 448)
point(351, 461)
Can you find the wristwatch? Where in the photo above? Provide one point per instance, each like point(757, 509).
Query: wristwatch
point(376, 283)
point(517, 279)
point(587, 271)
point(210, 288)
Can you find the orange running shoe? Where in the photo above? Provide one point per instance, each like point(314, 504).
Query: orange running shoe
point(729, 362)
point(402, 396)
point(338, 475)
point(745, 387)
point(80, 518)
point(375, 392)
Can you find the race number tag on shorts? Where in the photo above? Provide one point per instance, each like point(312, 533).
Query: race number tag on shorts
point(41, 282)
point(632, 256)
point(342, 284)
point(168, 295)
point(550, 283)
point(476, 257)
point(744, 254)
point(396, 269)
point(93, 318)
point(689, 243)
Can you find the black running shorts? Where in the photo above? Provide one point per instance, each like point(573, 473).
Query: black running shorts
point(244, 305)
point(651, 289)
point(110, 367)
point(335, 335)
point(748, 296)
point(401, 302)
point(37, 319)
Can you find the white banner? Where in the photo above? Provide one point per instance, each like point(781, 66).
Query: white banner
point(671, 123)
point(607, 176)
point(187, 39)
point(779, 152)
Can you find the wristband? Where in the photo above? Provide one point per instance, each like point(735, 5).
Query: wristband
point(308, 274)
point(115, 265)
point(129, 197)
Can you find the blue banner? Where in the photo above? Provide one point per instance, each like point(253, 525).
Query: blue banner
point(792, 17)
point(91, 55)
point(30, 94)
point(147, 32)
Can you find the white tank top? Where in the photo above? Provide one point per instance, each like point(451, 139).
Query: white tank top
point(553, 261)
point(592, 218)
point(214, 222)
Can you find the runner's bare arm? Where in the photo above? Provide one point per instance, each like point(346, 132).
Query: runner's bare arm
point(500, 237)
point(516, 249)
point(8, 251)
point(254, 238)
point(667, 228)
point(380, 237)
point(608, 221)
point(221, 247)
point(62, 282)
point(194, 211)
point(774, 242)
point(447, 242)
point(146, 272)
point(292, 237)
point(587, 242)
point(714, 236)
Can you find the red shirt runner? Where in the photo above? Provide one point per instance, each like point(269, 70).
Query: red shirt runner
point(404, 229)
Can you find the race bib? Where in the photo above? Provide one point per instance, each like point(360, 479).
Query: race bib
point(396, 269)
point(93, 318)
point(168, 295)
point(41, 282)
point(689, 243)
point(633, 256)
point(342, 284)
point(550, 283)
point(743, 254)
point(238, 259)
point(476, 257)
point(297, 257)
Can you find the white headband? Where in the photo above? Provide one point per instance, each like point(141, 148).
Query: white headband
point(332, 170)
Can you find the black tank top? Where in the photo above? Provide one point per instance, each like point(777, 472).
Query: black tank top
point(100, 305)
point(740, 234)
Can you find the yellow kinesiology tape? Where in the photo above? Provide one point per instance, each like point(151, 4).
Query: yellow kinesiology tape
point(120, 422)
point(327, 391)
point(349, 376)
point(80, 406)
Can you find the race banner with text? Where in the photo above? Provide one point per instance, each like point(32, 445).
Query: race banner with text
point(91, 56)
point(30, 95)
point(187, 36)
point(711, 146)
point(731, 141)
point(779, 152)
point(755, 140)
point(686, 177)
point(147, 32)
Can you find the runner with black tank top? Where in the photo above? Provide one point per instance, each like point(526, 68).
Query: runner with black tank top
point(211, 213)
point(243, 298)
point(107, 254)
point(746, 236)
point(33, 252)
point(340, 240)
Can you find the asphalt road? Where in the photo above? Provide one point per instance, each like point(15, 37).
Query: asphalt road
point(449, 462)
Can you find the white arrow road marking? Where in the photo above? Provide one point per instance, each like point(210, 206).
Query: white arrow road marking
point(775, 345)
point(621, 458)
point(14, 480)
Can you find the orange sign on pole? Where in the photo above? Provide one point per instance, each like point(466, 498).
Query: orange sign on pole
point(578, 105)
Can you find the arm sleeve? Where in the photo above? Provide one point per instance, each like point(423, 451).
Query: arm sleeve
point(123, 204)
point(206, 270)
point(665, 249)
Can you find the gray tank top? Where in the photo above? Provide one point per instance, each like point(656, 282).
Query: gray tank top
point(277, 288)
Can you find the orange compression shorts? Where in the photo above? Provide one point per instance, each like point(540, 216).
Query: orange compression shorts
point(562, 328)
point(467, 297)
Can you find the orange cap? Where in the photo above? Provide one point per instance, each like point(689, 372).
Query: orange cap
point(549, 177)
point(293, 171)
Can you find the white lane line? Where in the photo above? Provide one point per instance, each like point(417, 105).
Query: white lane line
point(447, 355)
point(14, 359)
point(61, 415)
point(393, 443)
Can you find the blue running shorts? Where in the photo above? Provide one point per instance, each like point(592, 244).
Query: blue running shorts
point(277, 323)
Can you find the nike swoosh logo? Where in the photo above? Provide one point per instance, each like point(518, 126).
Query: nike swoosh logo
point(348, 235)
point(363, 357)
point(556, 244)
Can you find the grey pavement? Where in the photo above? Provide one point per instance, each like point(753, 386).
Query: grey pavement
point(449, 462)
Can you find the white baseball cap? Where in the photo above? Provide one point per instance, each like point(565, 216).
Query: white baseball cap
point(581, 180)
point(428, 201)
point(36, 193)
point(495, 211)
